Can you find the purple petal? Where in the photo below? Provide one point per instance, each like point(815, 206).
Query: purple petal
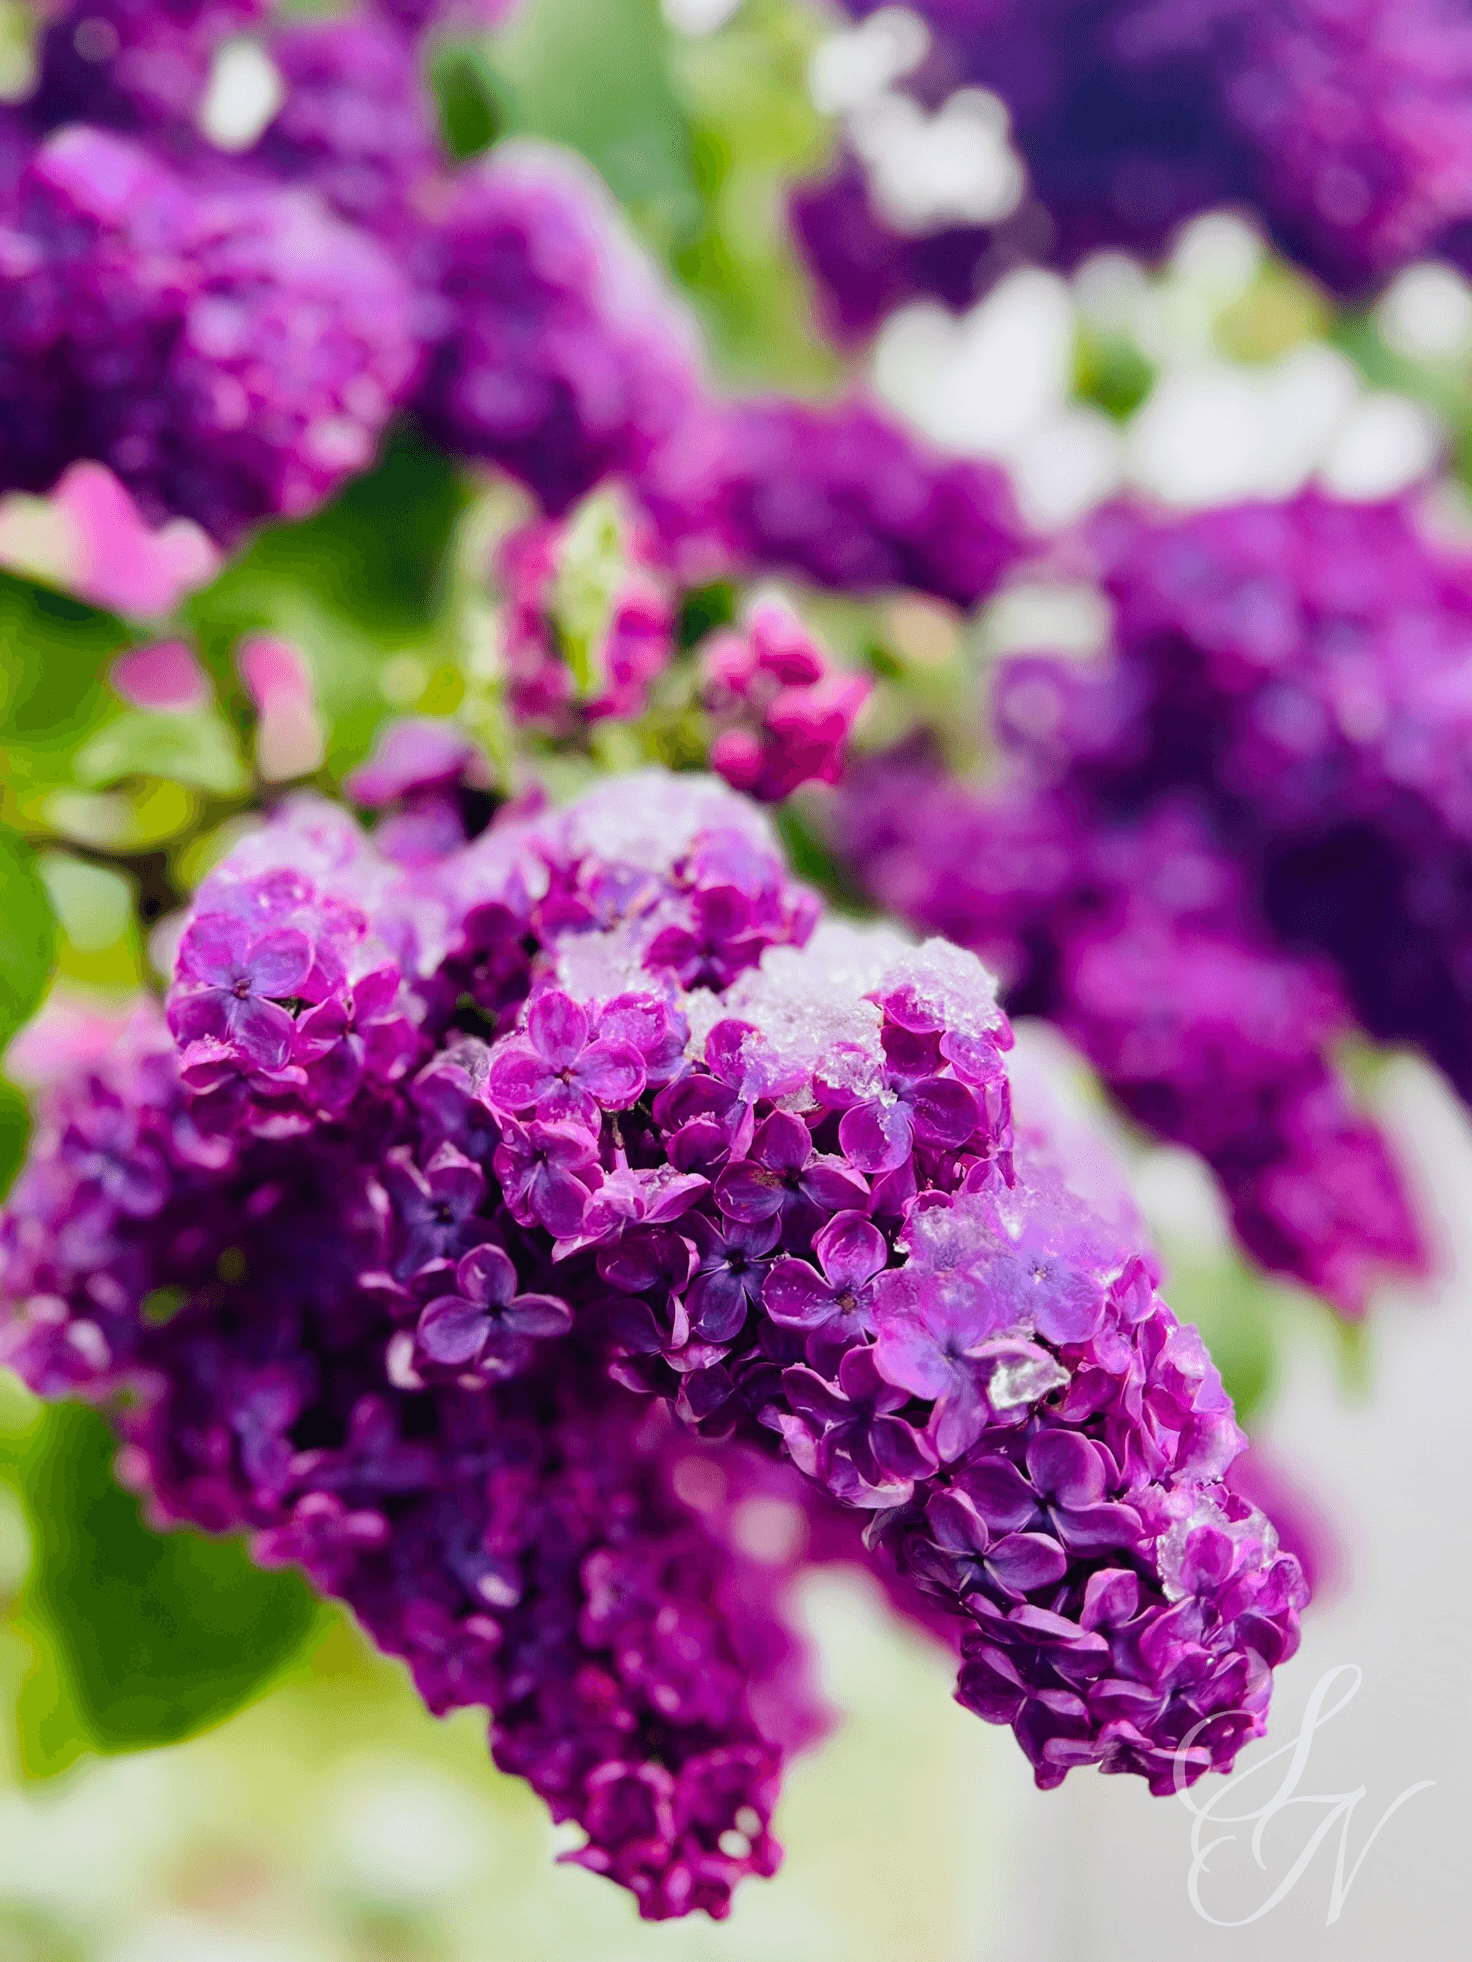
point(876, 1137)
point(814, 1399)
point(321, 1029)
point(260, 1031)
point(851, 1250)
point(487, 1275)
point(452, 1332)
point(676, 1195)
point(557, 1199)
point(613, 1072)
point(1066, 1467)
point(748, 1192)
point(859, 1379)
point(956, 1525)
point(558, 1027)
point(1001, 1494)
point(539, 1315)
point(908, 1355)
point(795, 1296)
point(900, 1450)
point(455, 1182)
point(278, 963)
point(1024, 1561)
point(1089, 1529)
point(752, 1237)
point(725, 1051)
point(783, 1144)
point(200, 1017)
point(569, 1103)
point(834, 1186)
point(214, 949)
point(959, 1419)
point(505, 1355)
point(647, 1257)
point(945, 1112)
point(519, 1077)
point(717, 1303)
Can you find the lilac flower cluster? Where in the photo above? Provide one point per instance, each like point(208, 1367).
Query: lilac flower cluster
point(228, 351)
point(783, 711)
point(841, 495)
point(564, 360)
point(133, 64)
point(355, 125)
point(1345, 127)
point(588, 624)
point(1300, 669)
point(1138, 933)
point(455, 1182)
point(231, 333)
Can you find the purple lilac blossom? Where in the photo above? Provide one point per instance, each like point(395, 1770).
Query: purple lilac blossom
point(495, 1325)
point(841, 495)
point(1344, 126)
point(559, 355)
point(229, 352)
point(136, 65)
point(430, 785)
point(783, 710)
point(633, 645)
point(1139, 935)
point(1299, 670)
point(357, 125)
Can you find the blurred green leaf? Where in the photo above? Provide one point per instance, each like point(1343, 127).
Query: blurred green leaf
point(811, 859)
point(190, 749)
point(141, 1638)
point(1110, 371)
point(15, 1132)
point(27, 934)
point(52, 655)
point(596, 78)
point(471, 107)
point(702, 610)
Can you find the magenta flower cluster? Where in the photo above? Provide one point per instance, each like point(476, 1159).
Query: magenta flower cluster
point(783, 710)
point(1345, 127)
point(485, 1235)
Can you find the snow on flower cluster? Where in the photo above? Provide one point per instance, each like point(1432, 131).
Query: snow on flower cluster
point(482, 1233)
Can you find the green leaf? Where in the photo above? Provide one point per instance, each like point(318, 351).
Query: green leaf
point(189, 749)
point(597, 80)
point(471, 110)
point(15, 1133)
point(27, 934)
point(141, 1638)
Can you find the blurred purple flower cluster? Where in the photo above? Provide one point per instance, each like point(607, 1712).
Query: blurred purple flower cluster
point(1225, 846)
point(485, 1234)
point(232, 330)
point(1344, 124)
